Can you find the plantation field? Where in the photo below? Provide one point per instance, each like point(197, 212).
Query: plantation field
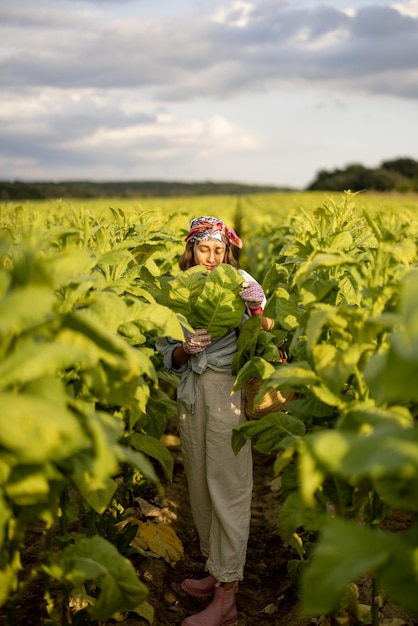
point(280, 204)
point(94, 520)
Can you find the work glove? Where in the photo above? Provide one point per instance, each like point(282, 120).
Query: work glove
point(253, 295)
point(197, 342)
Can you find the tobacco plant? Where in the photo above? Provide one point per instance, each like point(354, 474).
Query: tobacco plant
point(83, 403)
point(343, 286)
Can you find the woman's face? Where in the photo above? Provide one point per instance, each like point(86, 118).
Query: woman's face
point(210, 253)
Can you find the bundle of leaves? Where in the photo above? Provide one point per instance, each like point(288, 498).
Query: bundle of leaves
point(257, 351)
point(209, 300)
point(254, 341)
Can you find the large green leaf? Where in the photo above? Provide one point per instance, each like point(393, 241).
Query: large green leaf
point(209, 300)
point(256, 367)
point(95, 559)
point(255, 342)
point(105, 431)
point(72, 266)
point(106, 345)
point(88, 322)
point(155, 448)
point(98, 495)
point(25, 306)
point(325, 395)
point(315, 289)
point(160, 407)
point(268, 432)
point(5, 515)
point(399, 574)
point(139, 460)
point(289, 376)
point(362, 413)
point(28, 485)
point(391, 374)
point(38, 430)
point(184, 290)
point(283, 309)
point(109, 307)
point(294, 514)
point(154, 318)
point(319, 317)
point(321, 260)
point(219, 306)
point(35, 359)
point(388, 457)
point(344, 553)
point(8, 581)
point(334, 365)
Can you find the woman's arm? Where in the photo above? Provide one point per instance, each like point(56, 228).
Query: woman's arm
point(193, 343)
point(180, 357)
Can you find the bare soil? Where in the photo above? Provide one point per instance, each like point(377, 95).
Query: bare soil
point(266, 597)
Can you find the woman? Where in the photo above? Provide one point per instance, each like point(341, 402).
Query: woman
point(220, 482)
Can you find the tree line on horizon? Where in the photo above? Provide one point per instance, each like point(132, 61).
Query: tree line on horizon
point(19, 190)
point(400, 175)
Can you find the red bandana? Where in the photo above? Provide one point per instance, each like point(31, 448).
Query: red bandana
point(202, 228)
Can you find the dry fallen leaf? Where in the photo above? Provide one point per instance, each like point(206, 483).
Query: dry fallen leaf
point(149, 510)
point(270, 609)
point(160, 539)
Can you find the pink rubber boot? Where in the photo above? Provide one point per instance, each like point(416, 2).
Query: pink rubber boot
point(202, 588)
point(222, 611)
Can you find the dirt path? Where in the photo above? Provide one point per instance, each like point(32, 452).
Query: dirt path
point(266, 597)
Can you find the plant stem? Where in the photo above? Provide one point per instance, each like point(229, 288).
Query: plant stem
point(91, 523)
point(64, 518)
point(375, 606)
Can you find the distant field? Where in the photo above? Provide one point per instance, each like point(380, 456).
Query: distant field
point(253, 207)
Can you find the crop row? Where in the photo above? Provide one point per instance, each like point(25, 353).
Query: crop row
point(343, 284)
point(85, 401)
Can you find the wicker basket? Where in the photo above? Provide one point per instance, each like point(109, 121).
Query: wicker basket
point(272, 401)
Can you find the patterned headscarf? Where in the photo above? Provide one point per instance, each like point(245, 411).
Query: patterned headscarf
point(209, 227)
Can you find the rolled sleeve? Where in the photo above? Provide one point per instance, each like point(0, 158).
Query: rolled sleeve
point(166, 347)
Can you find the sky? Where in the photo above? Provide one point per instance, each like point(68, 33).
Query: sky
point(248, 91)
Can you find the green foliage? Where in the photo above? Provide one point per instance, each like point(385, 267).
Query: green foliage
point(94, 559)
point(399, 175)
point(344, 287)
point(254, 341)
point(209, 300)
point(389, 372)
point(348, 551)
point(85, 400)
point(79, 390)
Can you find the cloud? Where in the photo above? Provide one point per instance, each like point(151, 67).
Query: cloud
point(167, 136)
point(407, 8)
point(237, 15)
point(239, 48)
point(85, 128)
point(119, 89)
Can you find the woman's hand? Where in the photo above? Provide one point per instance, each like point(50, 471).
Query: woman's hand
point(197, 342)
point(253, 295)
